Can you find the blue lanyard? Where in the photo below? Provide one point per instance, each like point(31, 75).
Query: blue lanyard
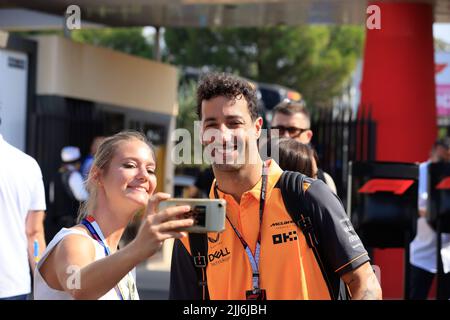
point(96, 234)
point(90, 223)
point(253, 259)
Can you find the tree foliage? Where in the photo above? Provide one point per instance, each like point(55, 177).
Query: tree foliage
point(187, 106)
point(315, 60)
point(441, 45)
point(128, 40)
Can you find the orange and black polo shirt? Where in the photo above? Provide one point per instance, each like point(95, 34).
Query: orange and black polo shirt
point(288, 268)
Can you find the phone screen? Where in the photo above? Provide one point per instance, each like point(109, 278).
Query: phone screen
point(198, 213)
point(208, 214)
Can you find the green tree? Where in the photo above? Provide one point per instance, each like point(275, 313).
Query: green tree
point(441, 45)
point(187, 115)
point(315, 60)
point(187, 109)
point(128, 40)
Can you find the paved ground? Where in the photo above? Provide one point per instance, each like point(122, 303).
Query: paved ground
point(152, 284)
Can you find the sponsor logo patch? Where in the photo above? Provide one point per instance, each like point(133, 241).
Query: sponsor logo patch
point(284, 237)
point(281, 223)
point(218, 255)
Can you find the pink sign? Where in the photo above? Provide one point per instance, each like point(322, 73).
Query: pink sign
point(442, 71)
point(443, 99)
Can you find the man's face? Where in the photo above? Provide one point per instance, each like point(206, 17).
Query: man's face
point(294, 126)
point(228, 133)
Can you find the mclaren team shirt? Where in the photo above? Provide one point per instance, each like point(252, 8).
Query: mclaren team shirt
point(288, 268)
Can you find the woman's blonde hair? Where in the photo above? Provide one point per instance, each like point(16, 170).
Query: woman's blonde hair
point(102, 160)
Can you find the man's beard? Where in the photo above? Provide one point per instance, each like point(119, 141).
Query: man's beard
point(228, 167)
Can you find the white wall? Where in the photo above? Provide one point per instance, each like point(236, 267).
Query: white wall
point(13, 96)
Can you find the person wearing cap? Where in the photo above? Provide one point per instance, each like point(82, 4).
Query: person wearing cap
point(72, 178)
point(69, 190)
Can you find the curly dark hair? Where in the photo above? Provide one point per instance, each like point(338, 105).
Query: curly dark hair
point(222, 84)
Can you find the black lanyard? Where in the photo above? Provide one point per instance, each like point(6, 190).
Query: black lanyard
point(254, 259)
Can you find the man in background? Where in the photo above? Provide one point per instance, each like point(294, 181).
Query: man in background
point(22, 205)
point(423, 247)
point(69, 190)
point(291, 120)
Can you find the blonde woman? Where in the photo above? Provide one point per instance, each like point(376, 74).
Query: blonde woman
point(83, 262)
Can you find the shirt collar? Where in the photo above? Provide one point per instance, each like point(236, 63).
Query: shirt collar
point(274, 173)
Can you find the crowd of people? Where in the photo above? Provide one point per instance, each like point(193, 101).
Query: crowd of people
point(287, 234)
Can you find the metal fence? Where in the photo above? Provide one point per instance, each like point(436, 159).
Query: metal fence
point(341, 136)
point(59, 122)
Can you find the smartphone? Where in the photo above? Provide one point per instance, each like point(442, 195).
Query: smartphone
point(208, 214)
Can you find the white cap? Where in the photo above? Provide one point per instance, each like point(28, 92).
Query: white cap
point(70, 154)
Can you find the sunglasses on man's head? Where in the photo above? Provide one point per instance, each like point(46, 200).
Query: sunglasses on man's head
point(293, 132)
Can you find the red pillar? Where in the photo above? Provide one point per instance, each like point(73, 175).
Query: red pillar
point(398, 83)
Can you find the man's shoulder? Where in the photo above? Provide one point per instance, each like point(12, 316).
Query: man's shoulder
point(318, 191)
point(315, 191)
point(307, 182)
point(33, 165)
point(300, 191)
point(327, 175)
point(17, 156)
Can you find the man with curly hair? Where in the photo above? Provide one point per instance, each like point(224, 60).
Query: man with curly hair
point(261, 254)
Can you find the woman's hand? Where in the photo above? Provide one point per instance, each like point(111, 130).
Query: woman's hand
point(159, 226)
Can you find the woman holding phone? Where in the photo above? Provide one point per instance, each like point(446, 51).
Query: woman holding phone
point(83, 262)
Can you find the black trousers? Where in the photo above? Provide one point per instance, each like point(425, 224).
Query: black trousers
point(421, 281)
